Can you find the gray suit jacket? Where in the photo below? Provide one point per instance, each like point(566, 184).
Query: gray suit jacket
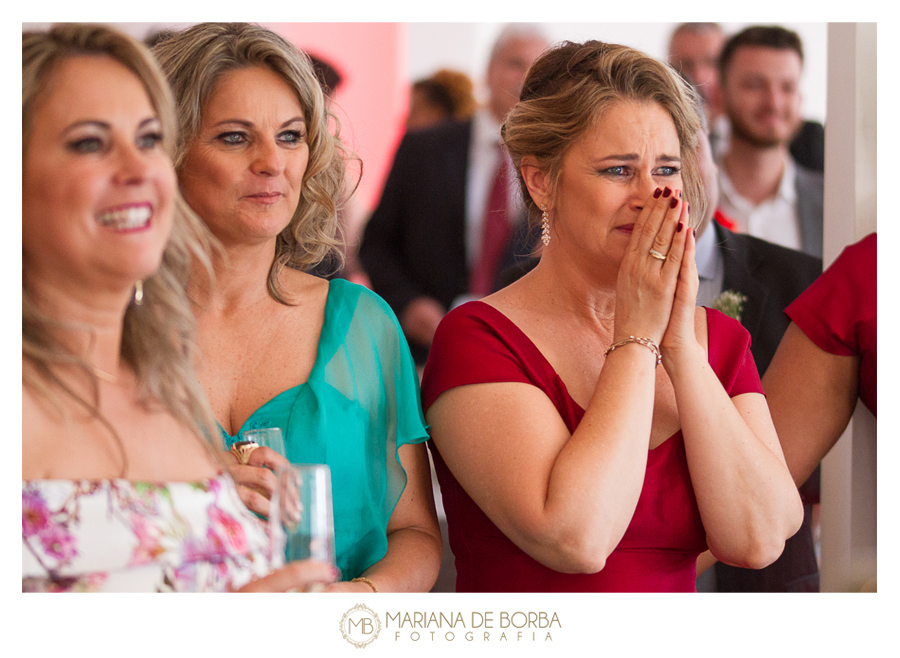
point(810, 186)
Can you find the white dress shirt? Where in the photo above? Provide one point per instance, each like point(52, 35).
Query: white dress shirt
point(710, 266)
point(775, 219)
point(484, 154)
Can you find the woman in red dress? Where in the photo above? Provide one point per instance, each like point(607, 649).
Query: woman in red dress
point(568, 460)
point(827, 359)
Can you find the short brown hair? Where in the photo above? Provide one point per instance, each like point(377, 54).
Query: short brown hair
point(765, 36)
point(451, 91)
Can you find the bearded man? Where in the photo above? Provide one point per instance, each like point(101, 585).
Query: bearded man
point(762, 188)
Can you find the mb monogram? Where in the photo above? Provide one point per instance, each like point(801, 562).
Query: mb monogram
point(360, 625)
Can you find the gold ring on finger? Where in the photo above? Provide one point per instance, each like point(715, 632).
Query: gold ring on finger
point(243, 449)
point(658, 256)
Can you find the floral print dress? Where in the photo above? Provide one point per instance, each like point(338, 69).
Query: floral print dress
point(123, 536)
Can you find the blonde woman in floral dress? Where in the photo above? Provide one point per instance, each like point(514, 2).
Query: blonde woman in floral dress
point(120, 490)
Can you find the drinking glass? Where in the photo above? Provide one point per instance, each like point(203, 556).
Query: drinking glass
point(270, 437)
point(301, 525)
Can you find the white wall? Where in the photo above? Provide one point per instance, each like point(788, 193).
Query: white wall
point(849, 471)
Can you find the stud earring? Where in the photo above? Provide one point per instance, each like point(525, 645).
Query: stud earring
point(545, 226)
point(138, 292)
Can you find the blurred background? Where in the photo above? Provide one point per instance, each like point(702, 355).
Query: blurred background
point(377, 62)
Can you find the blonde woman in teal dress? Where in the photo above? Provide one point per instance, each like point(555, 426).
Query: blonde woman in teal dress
point(325, 361)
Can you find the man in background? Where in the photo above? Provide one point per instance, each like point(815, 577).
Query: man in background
point(754, 281)
point(694, 52)
point(449, 219)
point(763, 189)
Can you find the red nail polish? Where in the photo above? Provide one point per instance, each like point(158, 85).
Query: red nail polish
point(657, 193)
point(680, 226)
point(674, 202)
point(666, 192)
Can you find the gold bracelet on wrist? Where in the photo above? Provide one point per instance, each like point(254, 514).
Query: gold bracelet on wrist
point(367, 582)
point(640, 340)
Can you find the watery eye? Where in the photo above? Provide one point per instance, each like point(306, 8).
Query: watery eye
point(293, 137)
point(232, 138)
point(616, 171)
point(149, 140)
point(86, 145)
point(667, 171)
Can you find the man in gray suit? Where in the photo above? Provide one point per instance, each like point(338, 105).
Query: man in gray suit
point(765, 278)
point(424, 241)
point(763, 189)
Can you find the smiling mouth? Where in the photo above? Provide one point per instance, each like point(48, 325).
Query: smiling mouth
point(126, 218)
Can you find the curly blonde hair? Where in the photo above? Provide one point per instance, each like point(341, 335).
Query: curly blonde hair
point(194, 60)
point(567, 91)
point(157, 339)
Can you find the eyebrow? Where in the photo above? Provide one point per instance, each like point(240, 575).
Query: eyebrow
point(250, 124)
point(104, 124)
point(631, 157)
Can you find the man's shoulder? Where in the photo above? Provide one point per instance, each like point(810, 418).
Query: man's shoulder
point(768, 256)
point(443, 133)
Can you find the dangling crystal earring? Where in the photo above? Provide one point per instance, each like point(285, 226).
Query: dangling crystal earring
point(545, 226)
point(138, 292)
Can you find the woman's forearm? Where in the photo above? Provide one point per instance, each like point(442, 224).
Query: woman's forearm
point(747, 499)
point(413, 557)
point(411, 564)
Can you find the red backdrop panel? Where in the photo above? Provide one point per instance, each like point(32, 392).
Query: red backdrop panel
point(372, 100)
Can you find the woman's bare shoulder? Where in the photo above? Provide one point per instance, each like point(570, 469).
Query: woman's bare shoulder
point(305, 289)
point(42, 419)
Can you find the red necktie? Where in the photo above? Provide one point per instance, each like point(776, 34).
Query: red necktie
point(496, 232)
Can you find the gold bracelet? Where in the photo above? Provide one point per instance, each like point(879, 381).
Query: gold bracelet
point(646, 342)
point(367, 582)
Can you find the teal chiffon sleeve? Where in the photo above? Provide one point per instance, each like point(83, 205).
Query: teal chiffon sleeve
point(359, 405)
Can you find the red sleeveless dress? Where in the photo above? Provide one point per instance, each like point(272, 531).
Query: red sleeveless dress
point(476, 343)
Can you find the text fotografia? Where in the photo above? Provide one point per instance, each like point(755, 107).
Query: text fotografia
point(478, 626)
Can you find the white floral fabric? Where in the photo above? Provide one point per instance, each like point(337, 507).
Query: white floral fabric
point(123, 536)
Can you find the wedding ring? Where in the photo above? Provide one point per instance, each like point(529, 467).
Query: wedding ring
point(243, 449)
point(655, 254)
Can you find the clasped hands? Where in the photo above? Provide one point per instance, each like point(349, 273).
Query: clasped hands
point(656, 293)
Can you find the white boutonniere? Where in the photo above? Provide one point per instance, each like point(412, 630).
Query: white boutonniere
point(730, 303)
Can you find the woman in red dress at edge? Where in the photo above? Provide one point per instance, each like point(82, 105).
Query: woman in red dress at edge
point(827, 359)
point(568, 460)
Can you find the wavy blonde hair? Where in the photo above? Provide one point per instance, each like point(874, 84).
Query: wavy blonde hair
point(157, 339)
point(566, 93)
point(195, 60)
